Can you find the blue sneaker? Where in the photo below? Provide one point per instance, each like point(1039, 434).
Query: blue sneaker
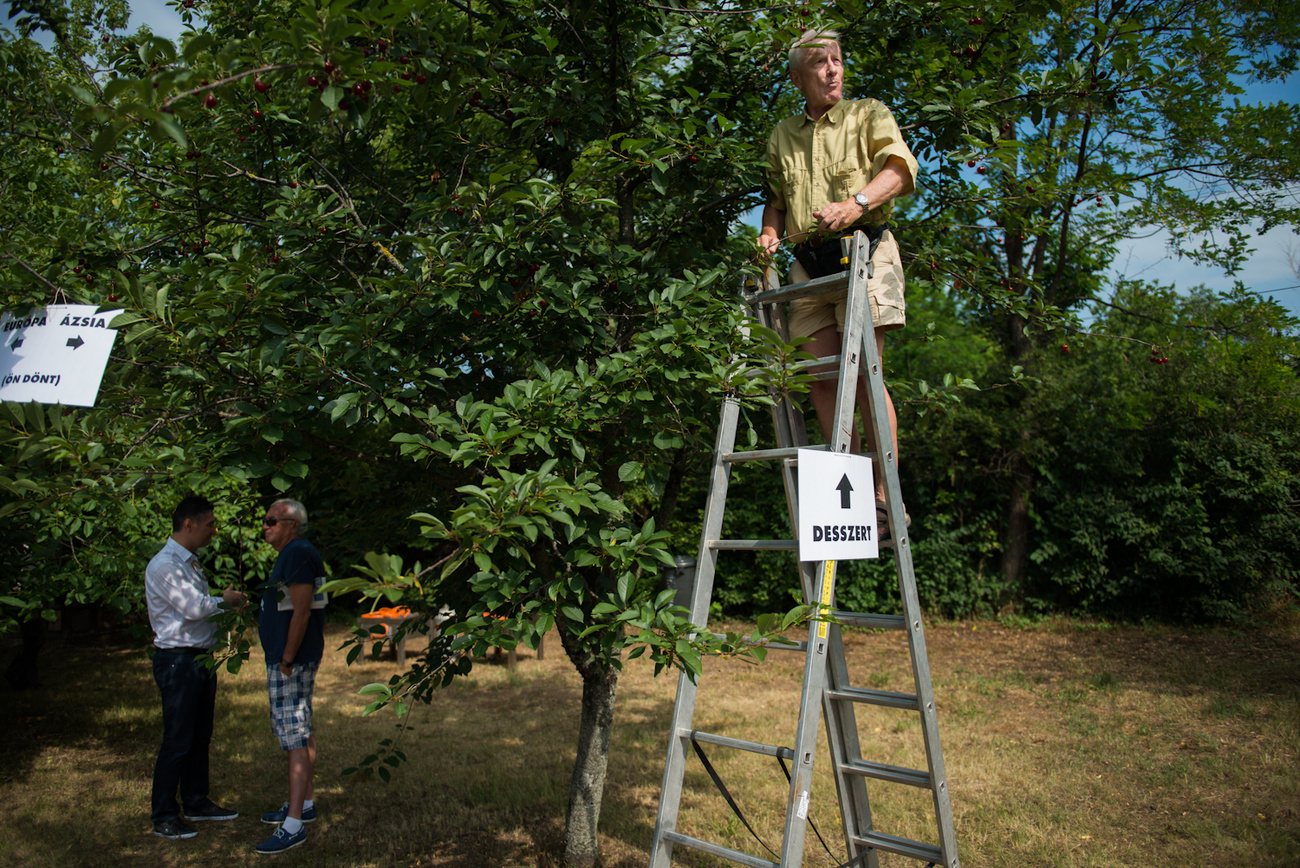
point(281, 841)
point(275, 818)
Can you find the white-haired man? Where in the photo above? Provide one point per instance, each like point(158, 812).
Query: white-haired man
point(292, 632)
point(833, 169)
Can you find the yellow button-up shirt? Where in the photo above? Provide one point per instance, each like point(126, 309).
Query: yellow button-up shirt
point(812, 163)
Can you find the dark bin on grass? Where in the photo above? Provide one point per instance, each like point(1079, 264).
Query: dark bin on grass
point(680, 578)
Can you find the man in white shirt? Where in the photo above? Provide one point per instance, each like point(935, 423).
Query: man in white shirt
point(181, 607)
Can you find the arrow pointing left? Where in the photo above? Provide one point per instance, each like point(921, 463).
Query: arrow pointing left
point(18, 342)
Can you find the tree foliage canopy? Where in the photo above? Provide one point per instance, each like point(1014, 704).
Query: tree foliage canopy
point(474, 261)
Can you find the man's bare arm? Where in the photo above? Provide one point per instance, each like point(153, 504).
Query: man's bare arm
point(773, 230)
point(894, 180)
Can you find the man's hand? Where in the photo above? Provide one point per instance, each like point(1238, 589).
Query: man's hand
point(838, 215)
point(233, 597)
point(767, 245)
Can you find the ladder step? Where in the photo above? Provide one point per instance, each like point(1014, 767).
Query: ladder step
point(816, 286)
point(883, 698)
point(719, 851)
point(754, 545)
point(875, 622)
point(893, 774)
point(901, 846)
point(737, 743)
point(784, 452)
point(766, 545)
point(769, 454)
point(798, 367)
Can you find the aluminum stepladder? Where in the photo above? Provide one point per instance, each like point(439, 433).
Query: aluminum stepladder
point(826, 679)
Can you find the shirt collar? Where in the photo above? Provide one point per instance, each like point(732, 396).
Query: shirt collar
point(178, 550)
point(832, 115)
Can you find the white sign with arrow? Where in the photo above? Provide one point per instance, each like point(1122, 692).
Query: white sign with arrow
point(55, 355)
point(837, 507)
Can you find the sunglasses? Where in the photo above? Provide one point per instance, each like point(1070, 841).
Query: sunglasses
point(272, 522)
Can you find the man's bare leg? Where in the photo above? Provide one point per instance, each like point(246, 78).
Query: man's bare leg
point(828, 342)
point(302, 762)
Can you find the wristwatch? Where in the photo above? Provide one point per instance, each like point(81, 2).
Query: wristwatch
point(861, 199)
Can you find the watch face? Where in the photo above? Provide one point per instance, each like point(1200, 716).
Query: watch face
point(861, 199)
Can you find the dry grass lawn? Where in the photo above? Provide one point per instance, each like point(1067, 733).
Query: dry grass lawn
point(1066, 744)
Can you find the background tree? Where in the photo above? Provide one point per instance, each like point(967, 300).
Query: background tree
point(467, 260)
point(1052, 132)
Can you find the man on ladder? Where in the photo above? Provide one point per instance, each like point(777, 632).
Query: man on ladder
point(834, 169)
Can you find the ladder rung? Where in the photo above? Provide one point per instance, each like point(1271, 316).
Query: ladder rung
point(719, 851)
point(894, 774)
point(901, 846)
point(769, 454)
point(814, 287)
point(875, 622)
point(876, 697)
point(754, 545)
point(738, 744)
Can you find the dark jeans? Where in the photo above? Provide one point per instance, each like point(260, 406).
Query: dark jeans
point(189, 697)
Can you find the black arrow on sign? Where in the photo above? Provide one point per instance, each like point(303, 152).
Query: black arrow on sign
point(844, 488)
point(75, 342)
point(18, 342)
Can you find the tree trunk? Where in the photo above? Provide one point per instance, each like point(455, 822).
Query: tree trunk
point(1015, 545)
point(1015, 541)
point(21, 673)
point(587, 786)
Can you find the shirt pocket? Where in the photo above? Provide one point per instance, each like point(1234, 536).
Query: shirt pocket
point(847, 177)
point(794, 178)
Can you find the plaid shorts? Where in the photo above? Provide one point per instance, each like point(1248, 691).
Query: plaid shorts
point(291, 704)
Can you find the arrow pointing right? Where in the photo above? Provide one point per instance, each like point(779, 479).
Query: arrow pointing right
point(75, 342)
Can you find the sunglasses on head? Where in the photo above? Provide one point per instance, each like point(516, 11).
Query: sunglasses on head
point(272, 522)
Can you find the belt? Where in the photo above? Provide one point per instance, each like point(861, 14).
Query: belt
point(193, 651)
point(822, 257)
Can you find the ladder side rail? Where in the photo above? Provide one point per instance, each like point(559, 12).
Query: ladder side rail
point(842, 737)
point(791, 428)
point(929, 715)
point(841, 717)
point(787, 422)
point(855, 329)
point(670, 792)
point(819, 644)
point(888, 467)
point(814, 685)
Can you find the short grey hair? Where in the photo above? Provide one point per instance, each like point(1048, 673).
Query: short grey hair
point(296, 510)
point(810, 39)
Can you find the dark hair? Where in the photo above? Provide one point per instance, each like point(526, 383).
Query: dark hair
point(193, 507)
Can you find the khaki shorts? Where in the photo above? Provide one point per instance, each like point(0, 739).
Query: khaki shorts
point(884, 289)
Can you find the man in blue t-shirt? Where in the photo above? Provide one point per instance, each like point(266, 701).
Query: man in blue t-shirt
point(292, 632)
